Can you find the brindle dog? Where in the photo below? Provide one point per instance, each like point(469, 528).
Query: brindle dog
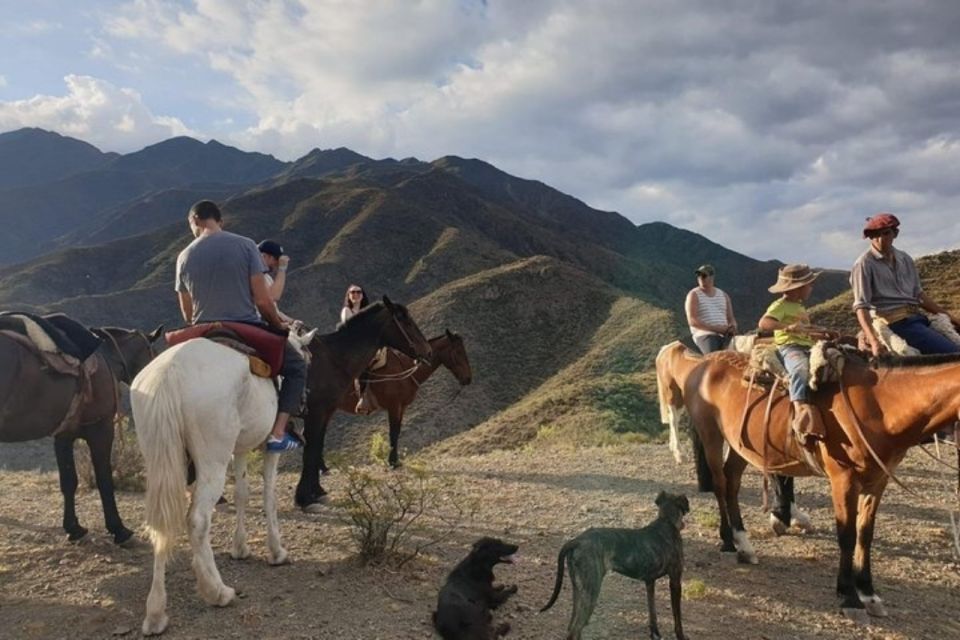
point(468, 596)
point(642, 554)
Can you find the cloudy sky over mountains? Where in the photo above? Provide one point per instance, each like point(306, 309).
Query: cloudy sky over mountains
point(772, 127)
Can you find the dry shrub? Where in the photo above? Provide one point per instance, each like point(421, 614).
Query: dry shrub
point(395, 515)
point(126, 460)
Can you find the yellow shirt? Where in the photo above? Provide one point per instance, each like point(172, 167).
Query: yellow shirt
point(788, 312)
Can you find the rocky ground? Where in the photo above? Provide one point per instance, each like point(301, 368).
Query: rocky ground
point(536, 498)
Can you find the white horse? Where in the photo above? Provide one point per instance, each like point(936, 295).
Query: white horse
point(199, 398)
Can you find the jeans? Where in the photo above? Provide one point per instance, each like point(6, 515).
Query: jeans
point(294, 372)
point(796, 359)
point(711, 342)
point(917, 332)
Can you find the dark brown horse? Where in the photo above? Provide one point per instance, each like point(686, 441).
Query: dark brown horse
point(872, 417)
point(336, 360)
point(394, 386)
point(34, 401)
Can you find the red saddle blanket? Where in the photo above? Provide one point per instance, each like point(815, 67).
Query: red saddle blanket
point(268, 345)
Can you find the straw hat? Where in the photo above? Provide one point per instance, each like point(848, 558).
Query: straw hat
point(793, 276)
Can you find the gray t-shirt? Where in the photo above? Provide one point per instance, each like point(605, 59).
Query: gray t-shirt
point(216, 270)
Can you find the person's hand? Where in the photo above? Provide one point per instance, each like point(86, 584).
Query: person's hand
point(283, 262)
point(877, 348)
point(732, 329)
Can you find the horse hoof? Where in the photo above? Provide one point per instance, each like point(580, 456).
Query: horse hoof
point(77, 535)
point(155, 625)
point(225, 596)
point(747, 558)
point(857, 615)
point(240, 553)
point(316, 506)
point(874, 605)
point(122, 537)
point(801, 521)
point(280, 559)
point(777, 525)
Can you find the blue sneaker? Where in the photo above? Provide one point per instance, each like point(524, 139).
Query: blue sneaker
point(287, 443)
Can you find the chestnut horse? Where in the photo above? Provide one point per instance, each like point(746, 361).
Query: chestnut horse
point(674, 363)
point(872, 417)
point(394, 386)
point(336, 360)
point(35, 399)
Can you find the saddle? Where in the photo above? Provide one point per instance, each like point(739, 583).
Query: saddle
point(61, 345)
point(52, 333)
point(264, 347)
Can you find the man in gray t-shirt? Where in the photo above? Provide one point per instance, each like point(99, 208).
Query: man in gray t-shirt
point(220, 276)
point(215, 269)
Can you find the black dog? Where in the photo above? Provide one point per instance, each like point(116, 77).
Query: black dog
point(465, 601)
point(642, 554)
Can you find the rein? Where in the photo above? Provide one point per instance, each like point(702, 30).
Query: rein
point(393, 377)
point(873, 454)
point(403, 332)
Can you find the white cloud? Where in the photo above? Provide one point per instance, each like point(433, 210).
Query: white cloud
point(111, 118)
point(3, 82)
point(741, 121)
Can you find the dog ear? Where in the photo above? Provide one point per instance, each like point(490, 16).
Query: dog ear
point(660, 498)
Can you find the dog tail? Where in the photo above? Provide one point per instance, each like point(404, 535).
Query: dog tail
point(564, 551)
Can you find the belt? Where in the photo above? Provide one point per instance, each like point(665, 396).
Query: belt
point(896, 314)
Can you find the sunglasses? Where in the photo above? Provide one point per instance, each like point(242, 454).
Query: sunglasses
point(353, 291)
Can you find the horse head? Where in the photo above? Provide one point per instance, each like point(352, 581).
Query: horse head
point(128, 350)
point(403, 333)
point(300, 337)
point(454, 357)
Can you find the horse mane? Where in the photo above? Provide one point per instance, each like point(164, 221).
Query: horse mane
point(903, 362)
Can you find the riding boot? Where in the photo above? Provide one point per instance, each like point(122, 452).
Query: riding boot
point(808, 424)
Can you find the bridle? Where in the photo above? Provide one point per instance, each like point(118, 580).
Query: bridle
point(406, 337)
point(109, 337)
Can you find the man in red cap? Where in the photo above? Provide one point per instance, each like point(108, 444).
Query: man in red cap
point(885, 281)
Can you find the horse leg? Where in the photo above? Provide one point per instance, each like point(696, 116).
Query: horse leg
point(396, 421)
point(99, 438)
point(711, 442)
point(63, 448)
point(156, 619)
point(310, 495)
point(241, 493)
point(845, 502)
point(780, 515)
point(278, 555)
point(733, 473)
point(211, 476)
point(866, 519)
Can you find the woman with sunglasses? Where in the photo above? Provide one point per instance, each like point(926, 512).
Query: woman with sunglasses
point(885, 282)
point(354, 300)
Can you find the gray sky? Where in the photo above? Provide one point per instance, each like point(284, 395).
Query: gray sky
point(771, 127)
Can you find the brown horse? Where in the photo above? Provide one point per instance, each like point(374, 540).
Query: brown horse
point(34, 400)
point(394, 386)
point(336, 360)
point(872, 417)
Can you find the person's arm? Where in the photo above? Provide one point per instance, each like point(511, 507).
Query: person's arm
point(186, 306)
point(731, 320)
point(265, 304)
point(280, 280)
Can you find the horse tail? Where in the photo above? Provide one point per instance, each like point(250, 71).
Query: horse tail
point(667, 395)
point(158, 418)
point(704, 475)
point(564, 552)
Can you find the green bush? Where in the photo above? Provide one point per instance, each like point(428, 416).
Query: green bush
point(394, 515)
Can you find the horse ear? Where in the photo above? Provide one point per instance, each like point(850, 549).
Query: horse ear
point(660, 498)
point(387, 303)
point(449, 335)
point(154, 335)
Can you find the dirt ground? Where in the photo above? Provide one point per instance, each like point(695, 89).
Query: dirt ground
point(538, 499)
